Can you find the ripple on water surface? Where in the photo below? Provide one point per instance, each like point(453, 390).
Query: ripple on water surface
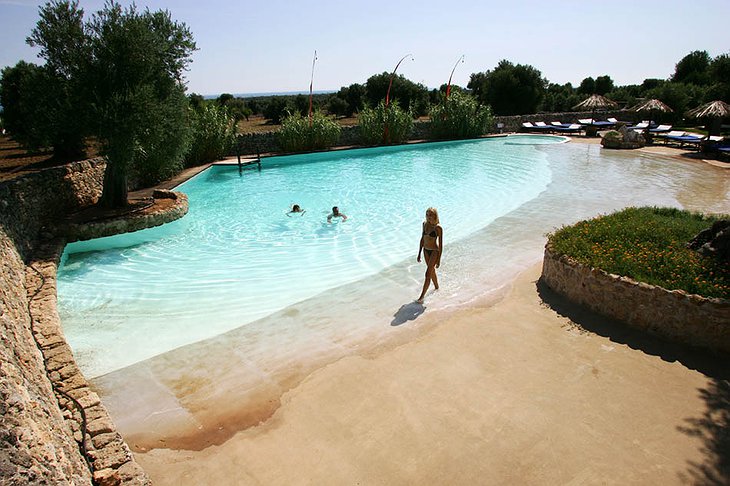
point(237, 256)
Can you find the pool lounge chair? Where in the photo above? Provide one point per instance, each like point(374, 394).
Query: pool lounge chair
point(661, 129)
point(673, 133)
point(640, 126)
point(527, 127)
point(560, 124)
point(543, 127)
point(574, 128)
point(603, 123)
point(691, 139)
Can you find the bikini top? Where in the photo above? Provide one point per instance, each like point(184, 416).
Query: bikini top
point(432, 234)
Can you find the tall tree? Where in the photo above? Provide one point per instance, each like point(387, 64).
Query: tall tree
point(60, 102)
point(510, 89)
point(587, 86)
point(604, 84)
point(719, 72)
point(24, 95)
point(411, 96)
point(136, 87)
point(693, 69)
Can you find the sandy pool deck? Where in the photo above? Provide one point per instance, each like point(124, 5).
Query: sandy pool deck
point(522, 392)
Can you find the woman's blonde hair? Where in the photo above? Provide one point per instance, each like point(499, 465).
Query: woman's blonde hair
point(434, 212)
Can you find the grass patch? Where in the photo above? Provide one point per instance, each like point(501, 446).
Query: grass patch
point(647, 245)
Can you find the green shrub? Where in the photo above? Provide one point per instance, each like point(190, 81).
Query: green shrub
point(160, 150)
point(298, 134)
point(648, 245)
point(213, 134)
point(381, 125)
point(276, 109)
point(459, 116)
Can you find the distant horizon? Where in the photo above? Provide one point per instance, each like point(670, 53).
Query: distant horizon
point(265, 94)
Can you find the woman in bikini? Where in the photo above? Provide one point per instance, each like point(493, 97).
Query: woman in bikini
point(432, 244)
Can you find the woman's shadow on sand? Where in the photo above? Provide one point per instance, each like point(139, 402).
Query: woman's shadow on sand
point(407, 312)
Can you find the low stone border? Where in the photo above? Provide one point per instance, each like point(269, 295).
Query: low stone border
point(110, 458)
point(166, 206)
point(676, 315)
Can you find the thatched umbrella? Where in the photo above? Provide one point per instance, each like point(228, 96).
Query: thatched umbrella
point(594, 102)
point(713, 109)
point(651, 106)
point(716, 110)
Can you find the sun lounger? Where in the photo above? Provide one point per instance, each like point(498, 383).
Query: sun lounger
point(560, 124)
point(543, 127)
point(692, 139)
point(574, 128)
point(527, 127)
point(603, 123)
point(661, 129)
point(640, 126)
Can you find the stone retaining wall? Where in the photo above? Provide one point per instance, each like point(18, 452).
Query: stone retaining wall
point(675, 315)
point(265, 142)
point(42, 392)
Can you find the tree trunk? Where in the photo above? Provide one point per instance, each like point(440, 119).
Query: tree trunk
point(114, 193)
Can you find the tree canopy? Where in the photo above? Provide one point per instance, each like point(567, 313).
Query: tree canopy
point(509, 89)
point(411, 96)
point(118, 76)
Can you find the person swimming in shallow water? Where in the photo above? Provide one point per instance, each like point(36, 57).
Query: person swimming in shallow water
point(336, 214)
point(432, 245)
point(296, 209)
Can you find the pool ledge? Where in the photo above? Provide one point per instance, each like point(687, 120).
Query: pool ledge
point(672, 314)
point(163, 207)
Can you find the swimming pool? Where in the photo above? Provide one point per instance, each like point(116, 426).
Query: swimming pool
point(238, 256)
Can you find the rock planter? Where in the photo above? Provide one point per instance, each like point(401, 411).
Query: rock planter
point(623, 138)
point(672, 314)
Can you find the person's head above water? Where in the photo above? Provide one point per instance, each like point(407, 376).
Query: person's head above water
point(335, 210)
point(296, 208)
point(432, 216)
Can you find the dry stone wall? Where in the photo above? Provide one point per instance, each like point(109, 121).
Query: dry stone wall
point(675, 315)
point(52, 422)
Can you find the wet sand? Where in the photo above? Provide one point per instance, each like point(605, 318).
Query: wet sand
point(516, 393)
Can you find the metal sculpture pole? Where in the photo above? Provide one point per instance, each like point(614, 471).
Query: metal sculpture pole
point(386, 135)
point(311, 83)
point(448, 85)
point(392, 75)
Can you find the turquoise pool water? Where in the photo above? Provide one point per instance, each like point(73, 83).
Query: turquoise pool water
point(238, 257)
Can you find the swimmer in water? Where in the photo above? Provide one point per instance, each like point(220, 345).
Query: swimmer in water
point(296, 209)
point(336, 214)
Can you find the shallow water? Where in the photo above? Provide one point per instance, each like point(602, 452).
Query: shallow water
point(492, 232)
point(238, 256)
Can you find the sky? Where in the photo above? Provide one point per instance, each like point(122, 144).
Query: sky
point(268, 45)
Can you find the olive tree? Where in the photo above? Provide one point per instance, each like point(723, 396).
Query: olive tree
point(137, 93)
point(119, 77)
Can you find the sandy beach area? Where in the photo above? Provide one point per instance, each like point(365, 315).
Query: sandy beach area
point(528, 391)
point(518, 388)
